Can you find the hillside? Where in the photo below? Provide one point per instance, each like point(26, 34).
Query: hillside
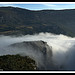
point(16, 63)
point(16, 21)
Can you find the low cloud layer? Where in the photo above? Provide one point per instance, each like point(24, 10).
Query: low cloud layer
point(63, 47)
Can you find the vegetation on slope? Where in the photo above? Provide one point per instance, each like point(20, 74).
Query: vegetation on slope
point(16, 63)
point(22, 21)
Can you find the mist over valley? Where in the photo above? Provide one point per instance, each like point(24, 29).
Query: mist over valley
point(50, 51)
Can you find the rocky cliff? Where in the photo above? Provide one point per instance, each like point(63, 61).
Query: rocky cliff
point(39, 51)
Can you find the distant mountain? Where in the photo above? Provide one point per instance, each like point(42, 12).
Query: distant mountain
point(14, 21)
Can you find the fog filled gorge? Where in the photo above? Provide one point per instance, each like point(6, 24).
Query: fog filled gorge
point(63, 50)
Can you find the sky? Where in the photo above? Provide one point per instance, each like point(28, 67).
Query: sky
point(40, 5)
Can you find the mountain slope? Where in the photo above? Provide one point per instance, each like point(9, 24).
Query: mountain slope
point(22, 21)
point(17, 63)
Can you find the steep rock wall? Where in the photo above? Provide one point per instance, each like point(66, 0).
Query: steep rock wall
point(39, 51)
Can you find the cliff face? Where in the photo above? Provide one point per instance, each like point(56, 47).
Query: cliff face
point(39, 46)
point(39, 51)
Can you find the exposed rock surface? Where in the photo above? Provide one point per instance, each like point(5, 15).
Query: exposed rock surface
point(40, 46)
point(38, 50)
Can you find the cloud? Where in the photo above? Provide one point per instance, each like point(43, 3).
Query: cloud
point(63, 47)
point(60, 6)
point(51, 5)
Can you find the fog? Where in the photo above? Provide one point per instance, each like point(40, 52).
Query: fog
point(63, 48)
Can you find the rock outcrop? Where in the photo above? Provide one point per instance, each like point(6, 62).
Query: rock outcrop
point(38, 50)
